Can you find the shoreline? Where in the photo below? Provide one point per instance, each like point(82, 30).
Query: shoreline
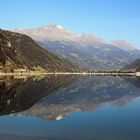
point(72, 73)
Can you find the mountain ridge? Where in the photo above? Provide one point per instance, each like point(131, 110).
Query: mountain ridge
point(54, 28)
point(87, 51)
point(132, 67)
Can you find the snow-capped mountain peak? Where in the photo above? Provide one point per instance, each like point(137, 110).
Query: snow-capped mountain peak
point(52, 26)
point(50, 32)
point(59, 27)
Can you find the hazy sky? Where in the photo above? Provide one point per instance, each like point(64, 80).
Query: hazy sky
point(109, 19)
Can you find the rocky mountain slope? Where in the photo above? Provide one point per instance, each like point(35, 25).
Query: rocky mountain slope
point(86, 50)
point(20, 51)
point(132, 67)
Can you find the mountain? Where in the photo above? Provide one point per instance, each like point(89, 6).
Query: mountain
point(20, 51)
point(122, 44)
point(132, 67)
point(85, 50)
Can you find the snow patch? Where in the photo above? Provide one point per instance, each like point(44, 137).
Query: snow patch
point(59, 117)
point(74, 54)
point(60, 27)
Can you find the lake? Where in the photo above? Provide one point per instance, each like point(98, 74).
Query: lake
point(70, 108)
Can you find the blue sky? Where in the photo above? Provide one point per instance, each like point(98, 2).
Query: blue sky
point(109, 19)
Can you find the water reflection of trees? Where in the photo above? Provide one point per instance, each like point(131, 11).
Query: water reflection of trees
point(20, 94)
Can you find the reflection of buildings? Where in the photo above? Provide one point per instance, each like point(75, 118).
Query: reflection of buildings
point(21, 71)
point(1, 69)
point(7, 81)
point(20, 76)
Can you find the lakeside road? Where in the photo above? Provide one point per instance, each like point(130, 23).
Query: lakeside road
point(72, 73)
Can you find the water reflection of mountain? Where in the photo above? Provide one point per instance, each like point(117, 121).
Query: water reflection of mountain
point(85, 94)
point(17, 95)
point(134, 80)
point(54, 97)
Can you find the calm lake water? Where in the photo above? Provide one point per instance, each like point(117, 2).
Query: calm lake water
point(70, 108)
